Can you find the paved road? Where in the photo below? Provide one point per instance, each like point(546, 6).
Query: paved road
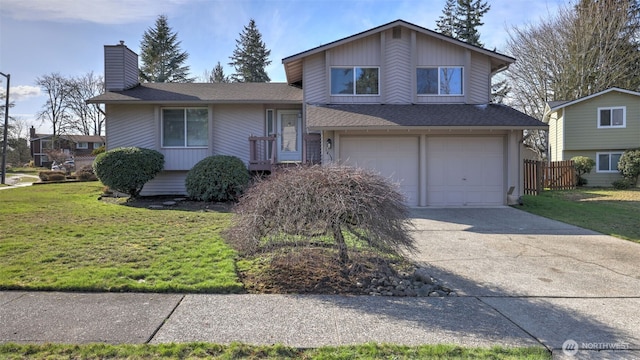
point(522, 280)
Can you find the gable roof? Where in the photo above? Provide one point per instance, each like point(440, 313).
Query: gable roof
point(73, 138)
point(557, 105)
point(371, 116)
point(208, 93)
point(293, 63)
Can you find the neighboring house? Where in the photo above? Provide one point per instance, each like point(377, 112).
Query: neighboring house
point(407, 102)
point(73, 145)
point(600, 126)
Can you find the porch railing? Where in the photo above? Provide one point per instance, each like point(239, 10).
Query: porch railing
point(262, 151)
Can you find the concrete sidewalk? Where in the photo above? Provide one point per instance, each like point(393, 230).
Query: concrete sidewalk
point(313, 321)
point(522, 280)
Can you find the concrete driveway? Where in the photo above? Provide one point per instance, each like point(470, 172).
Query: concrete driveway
point(555, 281)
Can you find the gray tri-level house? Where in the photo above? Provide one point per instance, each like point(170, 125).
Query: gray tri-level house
point(407, 102)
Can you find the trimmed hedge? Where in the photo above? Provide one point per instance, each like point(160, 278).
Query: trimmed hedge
point(127, 169)
point(217, 178)
point(52, 175)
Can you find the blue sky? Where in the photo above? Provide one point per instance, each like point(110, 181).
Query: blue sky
point(39, 37)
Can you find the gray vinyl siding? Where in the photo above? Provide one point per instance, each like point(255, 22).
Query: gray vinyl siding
point(232, 126)
point(397, 70)
point(166, 183)
point(479, 77)
point(581, 124)
point(131, 125)
point(120, 67)
point(313, 81)
point(397, 60)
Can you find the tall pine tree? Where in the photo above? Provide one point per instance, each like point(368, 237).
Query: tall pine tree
point(468, 18)
point(250, 56)
point(162, 58)
point(217, 75)
point(446, 21)
point(460, 19)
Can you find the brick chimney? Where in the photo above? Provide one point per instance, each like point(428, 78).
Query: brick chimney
point(120, 67)
point(32, 133)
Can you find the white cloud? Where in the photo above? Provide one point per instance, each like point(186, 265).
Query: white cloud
point(94, 11)
point(21, 92)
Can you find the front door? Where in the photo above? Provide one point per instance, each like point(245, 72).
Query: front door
point(289, 137)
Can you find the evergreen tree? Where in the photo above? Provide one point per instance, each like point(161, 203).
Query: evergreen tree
point(468, 17)
point(217, 75)
point(162, 58)
point(446, 21)
point(250, 56)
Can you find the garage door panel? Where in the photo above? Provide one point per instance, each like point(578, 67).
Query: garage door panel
point(395, 158)
point(465, 171)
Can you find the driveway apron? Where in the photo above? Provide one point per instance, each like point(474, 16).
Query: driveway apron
point(556, 281)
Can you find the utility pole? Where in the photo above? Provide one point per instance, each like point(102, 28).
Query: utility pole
point(6, 127)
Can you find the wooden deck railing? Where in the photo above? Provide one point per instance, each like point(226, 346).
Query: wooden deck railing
point(262, 151)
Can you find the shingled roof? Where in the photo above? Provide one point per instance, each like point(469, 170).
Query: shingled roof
point(177, 93)
point(372, 116)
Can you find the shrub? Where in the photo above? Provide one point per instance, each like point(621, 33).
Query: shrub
point(127, 169)
point(621, 184)
point(583, 165)
point(98, 151)
point(312, 201)
point(49, 175)
point(86, 174)
point(629, 165)
point(217, 178)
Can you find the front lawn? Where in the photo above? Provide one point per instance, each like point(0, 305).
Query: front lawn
point(608, 211)
point(61, 237)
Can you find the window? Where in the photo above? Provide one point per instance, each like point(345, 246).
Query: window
point(185, 127)
point(355, 81)
point(608, 162)
point(439, 80)
point(82, 145)
point(97, 145)
point(612, 117)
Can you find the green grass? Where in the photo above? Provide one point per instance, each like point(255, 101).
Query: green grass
point(26, 170)
point(608, 211)
point(61, 237)
point(241, 351)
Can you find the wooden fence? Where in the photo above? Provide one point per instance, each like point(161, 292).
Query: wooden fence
point(556, 175)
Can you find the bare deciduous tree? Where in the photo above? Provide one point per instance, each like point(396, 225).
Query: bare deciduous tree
point(297, 204)
point(581, 50)
point(55, 111)
point(87, 119)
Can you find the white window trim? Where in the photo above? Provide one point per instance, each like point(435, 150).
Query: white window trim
point(598, 162)
point(440, 67)
point(85, 147)
point(185, 127)
point(611, 108)
point(354, 79)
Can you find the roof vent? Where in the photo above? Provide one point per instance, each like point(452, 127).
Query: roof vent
point(397, 32)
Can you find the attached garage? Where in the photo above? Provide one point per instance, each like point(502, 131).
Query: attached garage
point(393, 157)
point(461, 171)
point(465, 171)
point(439, 154)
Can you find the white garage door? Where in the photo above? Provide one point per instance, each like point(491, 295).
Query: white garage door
point(465, 171)
point(393, 157)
